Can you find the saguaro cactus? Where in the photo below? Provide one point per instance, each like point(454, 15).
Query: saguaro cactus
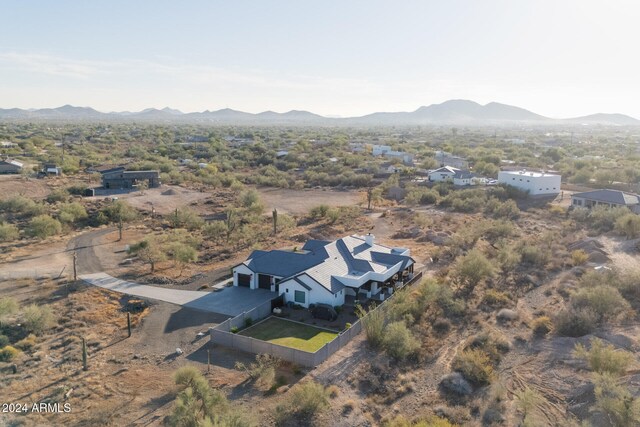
point(84, 354)
point(275, 220)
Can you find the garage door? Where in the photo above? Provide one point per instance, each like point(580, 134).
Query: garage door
point(244, 280)
point(264, 281)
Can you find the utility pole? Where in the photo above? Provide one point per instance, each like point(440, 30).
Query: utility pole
point(208, 361)
point(128, 324)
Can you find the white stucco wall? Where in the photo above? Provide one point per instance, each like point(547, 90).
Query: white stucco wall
point(535, 184)
point(317, 294)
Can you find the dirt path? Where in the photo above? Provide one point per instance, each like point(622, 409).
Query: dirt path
point(622, 252)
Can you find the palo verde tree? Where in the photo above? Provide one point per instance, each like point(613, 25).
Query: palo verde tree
point(120, 212)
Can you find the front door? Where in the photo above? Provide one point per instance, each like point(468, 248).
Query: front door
point(264, 281)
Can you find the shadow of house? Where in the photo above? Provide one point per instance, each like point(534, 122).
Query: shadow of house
point(188, 317)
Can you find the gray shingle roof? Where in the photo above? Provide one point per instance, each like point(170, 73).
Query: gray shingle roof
point(464, 175)
point(325, 262)
point(610, 196)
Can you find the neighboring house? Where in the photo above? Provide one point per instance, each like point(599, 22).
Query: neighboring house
point(390, 168)
point(443, 174)
point(130, 179)
point(104, 169)
point(609, 198)
point(386, 151)
point(464, 178)
point(534, 183)
point(447, 159)
point(282, 153)
point(346, 270)
point(51, 169)
point(516, 141)
point(8, 144)
point(9, 166)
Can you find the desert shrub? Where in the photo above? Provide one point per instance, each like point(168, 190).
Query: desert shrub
point(308, 398)
point(495, 230)
point(72, 212)
point(508, 258)
point(494, 298)
point(541, 325)
point(399, 342)
point(22, 206)
point(473, 268)
point(37, 319)
point(615, 400)
point(604, 358)
point(373, 325)
point(58, 195)
point(185, 218)
point(234, 330)
point(606, 302)
point(528, 402)
point(431, 421)
point(333, 391)
point(475, 365)
point(119, 211)
point(8, 353)
point(8, 232)
point(437, 296)
point(199, 405)
point(77, 190)
point(4, 340)
point(579, 257)
point(603, 218)
point(43, 226)
point(215, 230)
point(441, 326)
point(628, 225)
point(575, 322)
point(534, 255)
point(319, 211)
point(263, 370)
point(26, 343)
point(507, 209)
point(494, 346)
point(8, 306)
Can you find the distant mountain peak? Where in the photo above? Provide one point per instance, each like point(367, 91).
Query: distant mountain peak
point(451, 112)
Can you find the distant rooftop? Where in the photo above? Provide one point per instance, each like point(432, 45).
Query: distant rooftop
point(528, 173)
point(610, 196)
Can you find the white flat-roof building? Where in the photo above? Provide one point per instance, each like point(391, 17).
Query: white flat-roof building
point(535, 183)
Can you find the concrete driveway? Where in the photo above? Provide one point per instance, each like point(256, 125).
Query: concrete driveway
point(231, 301)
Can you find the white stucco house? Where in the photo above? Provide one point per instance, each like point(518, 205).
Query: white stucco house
point(342, 271)
point(386, 151)
point(443, 174)
point(535, 183)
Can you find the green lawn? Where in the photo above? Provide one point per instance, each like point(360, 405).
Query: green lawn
point(290, 334)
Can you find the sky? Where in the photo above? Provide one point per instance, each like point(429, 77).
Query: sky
point(332, 57)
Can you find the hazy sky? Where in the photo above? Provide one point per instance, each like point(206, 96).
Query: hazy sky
point(344, 57)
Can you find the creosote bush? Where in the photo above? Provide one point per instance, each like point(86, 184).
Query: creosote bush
point(37, 319)
point(575, 322)
point(541, 325)
point(475, 365)
point(8, 353)
point(399, 342)
point(604, 358)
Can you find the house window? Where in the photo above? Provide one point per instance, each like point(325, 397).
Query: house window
point(299, 297)
point(287, 290)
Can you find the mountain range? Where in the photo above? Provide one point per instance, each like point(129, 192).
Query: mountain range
point(453, 112)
